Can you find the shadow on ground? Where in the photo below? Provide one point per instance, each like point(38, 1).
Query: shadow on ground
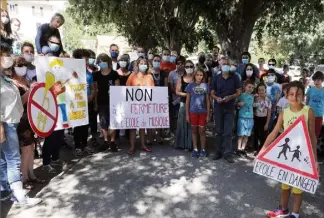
point(165, 183)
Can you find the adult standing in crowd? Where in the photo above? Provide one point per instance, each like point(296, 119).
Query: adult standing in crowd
point(45, 35)
point(183, 132)
point(114, 53)
point(140, 51)
point(262, 70)
point(16, 45)
point(166, 65)
point(225, 89)
point(246, 59)
point(11, 113)
point(27, 50)
point(5, 28)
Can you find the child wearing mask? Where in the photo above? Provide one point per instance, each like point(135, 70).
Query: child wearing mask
point(295, 92)
point(262, 115)
point(315, 99)
point(198, 110)
point(245, 117)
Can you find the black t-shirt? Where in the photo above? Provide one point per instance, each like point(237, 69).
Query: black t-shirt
point(104, 82)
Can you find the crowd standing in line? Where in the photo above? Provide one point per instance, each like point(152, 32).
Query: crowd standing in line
point(253, 100)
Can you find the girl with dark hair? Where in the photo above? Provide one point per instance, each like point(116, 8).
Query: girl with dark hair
point(250, 74)
point(5, 28)
point(183, 132)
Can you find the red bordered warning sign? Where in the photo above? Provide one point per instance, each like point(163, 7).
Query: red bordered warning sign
point(290, 158)
point(42, 110)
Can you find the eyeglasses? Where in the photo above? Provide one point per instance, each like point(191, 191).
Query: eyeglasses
point(271, 64)
point(187, 67)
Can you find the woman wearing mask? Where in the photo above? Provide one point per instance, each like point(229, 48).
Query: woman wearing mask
point(150, 55)
point(11, 113)
point(250, 74)
point(183, 132)
point(92, 62)
point(139, 78)
point(47, 31)
point(15, 27)
point(5, 28)
point(27, 51)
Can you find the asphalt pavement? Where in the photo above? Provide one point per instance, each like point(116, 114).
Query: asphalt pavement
point(166, 183)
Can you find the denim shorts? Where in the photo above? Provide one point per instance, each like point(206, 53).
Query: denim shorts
point(104, 116)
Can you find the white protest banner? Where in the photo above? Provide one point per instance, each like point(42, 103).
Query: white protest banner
point(290, 159)
point(133, 107)
point(66, 78)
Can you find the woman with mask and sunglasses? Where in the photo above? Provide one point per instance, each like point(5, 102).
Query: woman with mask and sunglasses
point(140, 77)
point(183, 132)
point(48, 38)
point(11, 112)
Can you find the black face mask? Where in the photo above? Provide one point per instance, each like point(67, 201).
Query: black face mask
point(202, 59)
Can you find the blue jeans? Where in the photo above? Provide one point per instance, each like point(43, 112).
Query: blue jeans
point(64, 114)
point(10, 157)
point(224, 120)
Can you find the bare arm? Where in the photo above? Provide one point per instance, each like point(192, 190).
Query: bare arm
point(268, 117)
point(273, 135)
point(187, 107)
point(178, 90)
point(93, 93)
point(208, 106)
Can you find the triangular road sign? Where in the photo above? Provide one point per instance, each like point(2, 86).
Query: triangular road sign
point(290, 158)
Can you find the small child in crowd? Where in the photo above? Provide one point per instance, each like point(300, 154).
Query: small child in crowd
point(262, 105)
point(296, 92)
point(315, 99)
point(283, 102)
point(197, 110)
point(245, 117)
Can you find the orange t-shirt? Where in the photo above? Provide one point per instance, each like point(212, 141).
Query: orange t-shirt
point(134, 80)
point(167, 67)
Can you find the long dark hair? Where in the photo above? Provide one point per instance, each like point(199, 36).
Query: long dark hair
point(6, 28)
point(254, 75)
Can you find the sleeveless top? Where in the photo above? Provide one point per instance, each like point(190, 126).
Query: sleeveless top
point(289, 117)
point(183, 88)
point(123, 79)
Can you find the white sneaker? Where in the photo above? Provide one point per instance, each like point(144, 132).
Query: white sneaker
point(29, 202)
point(49, 169)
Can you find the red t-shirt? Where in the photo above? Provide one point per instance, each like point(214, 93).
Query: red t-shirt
point(167, 67)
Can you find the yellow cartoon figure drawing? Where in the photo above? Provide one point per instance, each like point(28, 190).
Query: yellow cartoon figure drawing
point(56, 81)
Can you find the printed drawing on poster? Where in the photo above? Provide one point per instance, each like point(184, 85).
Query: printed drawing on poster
point(133, 107)
point(66, 78)
point(290, 159)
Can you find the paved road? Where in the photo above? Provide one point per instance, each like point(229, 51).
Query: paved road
point(167, 183)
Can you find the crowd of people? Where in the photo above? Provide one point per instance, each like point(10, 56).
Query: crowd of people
point(241, 99)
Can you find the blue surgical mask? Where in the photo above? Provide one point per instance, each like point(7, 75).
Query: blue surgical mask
point(156, 65)
point(92, 61)
point(245, 61)
point(173, 59)
point(114, 54)
point(226, 68)
point(54, 47)
point(103, 65)
point(142, 68)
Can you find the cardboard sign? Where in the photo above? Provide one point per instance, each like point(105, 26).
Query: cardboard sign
point(133, 107)
point(42, 110)
point(290, 159)
point(66, 78)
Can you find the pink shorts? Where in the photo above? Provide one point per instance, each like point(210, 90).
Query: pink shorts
point(198, 119)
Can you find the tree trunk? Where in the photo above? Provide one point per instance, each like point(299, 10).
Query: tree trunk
point(174, 42)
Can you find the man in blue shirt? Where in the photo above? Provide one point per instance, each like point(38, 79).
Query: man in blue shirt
point(226, 87)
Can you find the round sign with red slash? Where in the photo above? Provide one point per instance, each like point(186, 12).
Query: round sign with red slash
point(42, 110)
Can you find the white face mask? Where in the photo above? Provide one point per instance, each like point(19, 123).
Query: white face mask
point(29, 57)
point(166, 58)
point(271, 67)
point(7, 62)
point(189, 70)
point(150, 56)
point(140, 54)
point(249, 73)
point(21, 71)
point(123, 64)
point(233, 69)
point(5, 20)
point(271, 79)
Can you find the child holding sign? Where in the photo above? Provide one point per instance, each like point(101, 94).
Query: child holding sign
point(295, 92)
point(197, 110)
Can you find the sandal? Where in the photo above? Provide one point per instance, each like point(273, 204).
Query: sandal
point(27, 186)
point(146, 149)
point(131, 151)
point(37, 180)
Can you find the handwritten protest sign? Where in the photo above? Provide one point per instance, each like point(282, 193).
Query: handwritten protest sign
point(133, 107)
point(290, 159)
point(66, 78)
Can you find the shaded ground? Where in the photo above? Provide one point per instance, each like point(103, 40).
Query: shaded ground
point(166, 183)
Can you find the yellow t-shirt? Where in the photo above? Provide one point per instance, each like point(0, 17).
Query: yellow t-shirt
point(289, 117)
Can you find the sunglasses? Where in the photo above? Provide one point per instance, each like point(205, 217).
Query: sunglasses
point(187, 67)
point(271, 64)
point(57, 43)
